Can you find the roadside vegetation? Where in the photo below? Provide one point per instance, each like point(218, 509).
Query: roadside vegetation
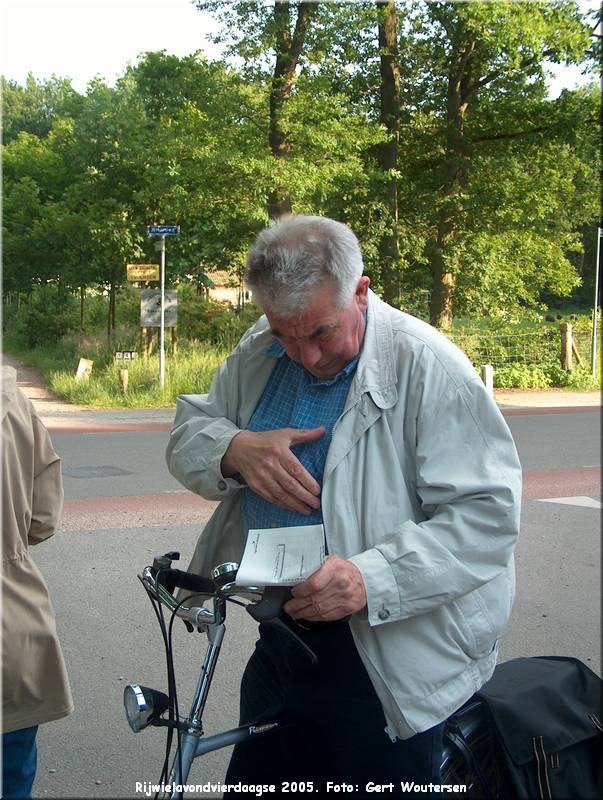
point(525, 355)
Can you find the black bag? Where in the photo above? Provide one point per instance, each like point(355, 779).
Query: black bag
point(545, 716)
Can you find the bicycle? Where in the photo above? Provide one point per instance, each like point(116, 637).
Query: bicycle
point(466, 732)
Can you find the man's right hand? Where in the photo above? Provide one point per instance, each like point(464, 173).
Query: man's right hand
point(267, 465)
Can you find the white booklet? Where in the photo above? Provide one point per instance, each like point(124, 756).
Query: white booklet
point(281, 556)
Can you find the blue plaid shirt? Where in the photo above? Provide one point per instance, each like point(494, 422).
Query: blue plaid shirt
point(295, 399)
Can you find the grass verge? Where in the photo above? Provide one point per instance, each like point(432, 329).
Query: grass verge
point(189, 372)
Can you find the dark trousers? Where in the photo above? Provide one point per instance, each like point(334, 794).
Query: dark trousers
point(19, 761)
point(336, 731)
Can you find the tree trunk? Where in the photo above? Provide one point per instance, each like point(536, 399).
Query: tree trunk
point(111, 310)
point(288, 51)
point(82, 295)
point(388, 154)
point(460, 89)
point(444, 282)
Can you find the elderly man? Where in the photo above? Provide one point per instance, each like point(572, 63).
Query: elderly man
point(336, 408)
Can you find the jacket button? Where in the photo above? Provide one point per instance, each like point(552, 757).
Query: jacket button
point(222, 486)
point(383, 614)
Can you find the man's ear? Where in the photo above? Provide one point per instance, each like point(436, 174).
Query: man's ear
point(361, 293)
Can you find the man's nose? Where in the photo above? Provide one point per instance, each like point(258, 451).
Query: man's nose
point(309, 354)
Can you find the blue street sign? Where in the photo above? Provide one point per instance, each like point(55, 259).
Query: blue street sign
point(163, 230)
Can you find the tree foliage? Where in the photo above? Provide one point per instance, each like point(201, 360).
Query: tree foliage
point(425, 126)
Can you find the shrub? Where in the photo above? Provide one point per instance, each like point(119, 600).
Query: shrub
point(543, 376)
point(211, 322)
point(50, 314)
point(226, 331)
point(522, 376)
point(579, 379)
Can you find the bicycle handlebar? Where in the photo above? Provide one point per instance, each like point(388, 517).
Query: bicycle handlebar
point(178, 579)
point(160, 580)
point(196, 615)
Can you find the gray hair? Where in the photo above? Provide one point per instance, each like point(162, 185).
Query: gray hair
point(299, 254)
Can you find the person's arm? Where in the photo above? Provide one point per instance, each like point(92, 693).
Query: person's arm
point(468, 481)
point(47, 495)
point(212, 456)
point(203, 428)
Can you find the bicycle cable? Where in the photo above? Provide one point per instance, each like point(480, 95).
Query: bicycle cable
point(171, 658)
point(157, 608)
point(173, 708)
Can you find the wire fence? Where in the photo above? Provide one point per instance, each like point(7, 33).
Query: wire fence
point(584, 348)
point(538, 346)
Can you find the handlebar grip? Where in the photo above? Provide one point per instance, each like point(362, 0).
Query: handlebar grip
point(271, 603)
point(179, 579)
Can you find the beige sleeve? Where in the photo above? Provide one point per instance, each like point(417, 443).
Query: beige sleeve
point(47, 499)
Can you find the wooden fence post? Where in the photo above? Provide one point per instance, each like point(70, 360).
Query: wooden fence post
point(144, 342)
point(567, 355)
point(147, 341)
point(123, 380)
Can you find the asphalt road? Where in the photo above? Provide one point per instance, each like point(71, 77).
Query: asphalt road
point(122, 507)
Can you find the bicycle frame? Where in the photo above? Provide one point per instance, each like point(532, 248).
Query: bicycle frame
point(192, 743)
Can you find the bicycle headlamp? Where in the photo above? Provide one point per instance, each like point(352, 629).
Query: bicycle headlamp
point(143, 705)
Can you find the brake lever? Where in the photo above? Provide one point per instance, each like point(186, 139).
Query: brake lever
point(271, 604)
point(269, 612)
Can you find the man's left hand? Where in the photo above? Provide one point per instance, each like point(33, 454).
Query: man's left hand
point(333, 592)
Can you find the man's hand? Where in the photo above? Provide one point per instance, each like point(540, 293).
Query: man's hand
point(332, 592)
point(267, 465)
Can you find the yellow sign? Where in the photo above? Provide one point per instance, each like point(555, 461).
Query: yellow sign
point(143, 272)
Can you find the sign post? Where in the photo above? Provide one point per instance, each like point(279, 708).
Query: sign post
point(162, 231)
point(596, 305)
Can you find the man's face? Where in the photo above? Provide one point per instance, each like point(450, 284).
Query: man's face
point(323, 338)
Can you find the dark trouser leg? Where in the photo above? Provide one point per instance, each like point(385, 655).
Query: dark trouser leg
point(274, 757)
point(19, 761)
point(337, 723)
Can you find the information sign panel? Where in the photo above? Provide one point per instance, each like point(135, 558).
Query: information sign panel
point(150, 309)
point(143, 272)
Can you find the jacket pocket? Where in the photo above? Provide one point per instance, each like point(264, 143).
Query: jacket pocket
point(485, 612)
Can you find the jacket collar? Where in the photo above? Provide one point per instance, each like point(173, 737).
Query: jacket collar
point(376, 373)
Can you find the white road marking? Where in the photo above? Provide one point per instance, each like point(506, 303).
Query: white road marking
point(586, 502)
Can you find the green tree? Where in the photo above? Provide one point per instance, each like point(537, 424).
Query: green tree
point(34, 107)
point(109, 152)
point(483, 84)
point(208, 167)
point(35, 178)
point(281, 30)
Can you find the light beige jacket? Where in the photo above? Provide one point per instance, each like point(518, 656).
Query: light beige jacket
point(421, 490)
point(35, 688)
